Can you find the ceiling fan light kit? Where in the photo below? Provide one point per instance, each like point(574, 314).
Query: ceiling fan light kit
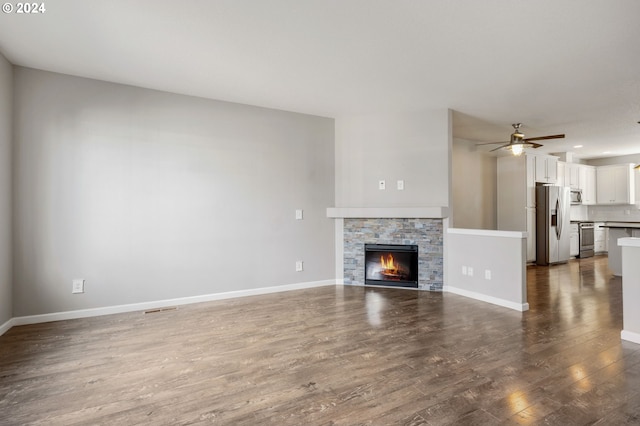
point(517, 148)
point(518, 143)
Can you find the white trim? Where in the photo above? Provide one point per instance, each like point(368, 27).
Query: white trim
point(6, 326)
point(629, 242)
point(340, 281)
point(108, 310)
point(487, 233)
point(630, 336)
point(388, 212)
point(489, 299)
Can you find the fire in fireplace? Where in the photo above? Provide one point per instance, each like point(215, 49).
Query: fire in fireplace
point(391, 265)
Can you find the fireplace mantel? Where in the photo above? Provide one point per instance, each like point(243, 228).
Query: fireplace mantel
point(388, 212)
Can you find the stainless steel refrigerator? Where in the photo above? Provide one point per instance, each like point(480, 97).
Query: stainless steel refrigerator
point(552, 224)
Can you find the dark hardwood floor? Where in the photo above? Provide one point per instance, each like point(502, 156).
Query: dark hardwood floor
point(337, 356)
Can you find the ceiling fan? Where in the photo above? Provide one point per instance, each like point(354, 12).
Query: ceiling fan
point(518, 142)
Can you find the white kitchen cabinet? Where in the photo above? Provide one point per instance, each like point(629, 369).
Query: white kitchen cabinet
point(574, 240)
point(552, 168)
point(615, 184)
point(561, 173)
point(546, 169)
point(588, 184)
point(600, 238)
point(572, 176)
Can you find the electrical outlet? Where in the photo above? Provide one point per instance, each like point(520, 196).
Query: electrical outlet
point(299, 266)
point(299, 214)
point(77, 286)
point(470, 271)
point(464, 270)
point(487, 274)
point(382, 185)
point(400, 185)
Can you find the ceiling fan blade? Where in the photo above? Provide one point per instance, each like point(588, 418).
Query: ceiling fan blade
point(500, 147)
point(491, 143)
point(544, 138)
point(536, 145)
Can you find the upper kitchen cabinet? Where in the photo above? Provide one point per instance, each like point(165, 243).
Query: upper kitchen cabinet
point(561, 170)
point(546, 169)
point(572, 176)
point(588, 184)
point(615, 184)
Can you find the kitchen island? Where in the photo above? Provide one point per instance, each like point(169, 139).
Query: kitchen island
point(630, 248)
point(619, 230)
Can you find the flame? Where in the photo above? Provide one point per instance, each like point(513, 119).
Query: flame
point(389, 265)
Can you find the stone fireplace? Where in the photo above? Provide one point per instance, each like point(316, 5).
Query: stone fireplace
point(422, 227)
point(426, 234)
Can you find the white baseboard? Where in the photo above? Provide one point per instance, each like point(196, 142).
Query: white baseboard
point(108, 310)
point(630, 336)
point(6, 326)
point(489, 299)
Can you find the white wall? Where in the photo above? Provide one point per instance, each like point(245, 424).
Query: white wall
point(414, 147)
point(474, 183)
point(149, 195)
point(6, 90)
point(622, 159)
point(503, 253)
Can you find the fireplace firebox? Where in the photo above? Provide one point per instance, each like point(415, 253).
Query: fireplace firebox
point(391, 265)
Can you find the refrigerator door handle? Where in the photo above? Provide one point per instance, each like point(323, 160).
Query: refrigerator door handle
point(560, 213)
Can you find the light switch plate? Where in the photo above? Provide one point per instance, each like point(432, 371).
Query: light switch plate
point(382, 185)
point(299, 266)
point(299, 214)
point(400, 185)
point(78, 286)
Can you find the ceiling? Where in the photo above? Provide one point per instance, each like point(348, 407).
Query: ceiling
point(557, 66)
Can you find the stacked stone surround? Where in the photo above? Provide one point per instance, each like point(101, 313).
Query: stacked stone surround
point(427, 234)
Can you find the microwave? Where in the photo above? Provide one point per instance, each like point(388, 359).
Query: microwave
point(576, 196)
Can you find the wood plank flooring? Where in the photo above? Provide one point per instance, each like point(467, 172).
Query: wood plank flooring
point(337, 356)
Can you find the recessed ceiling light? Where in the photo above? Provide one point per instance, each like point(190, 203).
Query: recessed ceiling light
point(577, 146)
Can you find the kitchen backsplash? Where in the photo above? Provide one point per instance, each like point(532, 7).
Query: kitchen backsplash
point(628, 213)
point(579, 213)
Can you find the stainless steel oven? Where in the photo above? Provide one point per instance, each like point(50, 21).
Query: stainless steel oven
point(585, 231)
